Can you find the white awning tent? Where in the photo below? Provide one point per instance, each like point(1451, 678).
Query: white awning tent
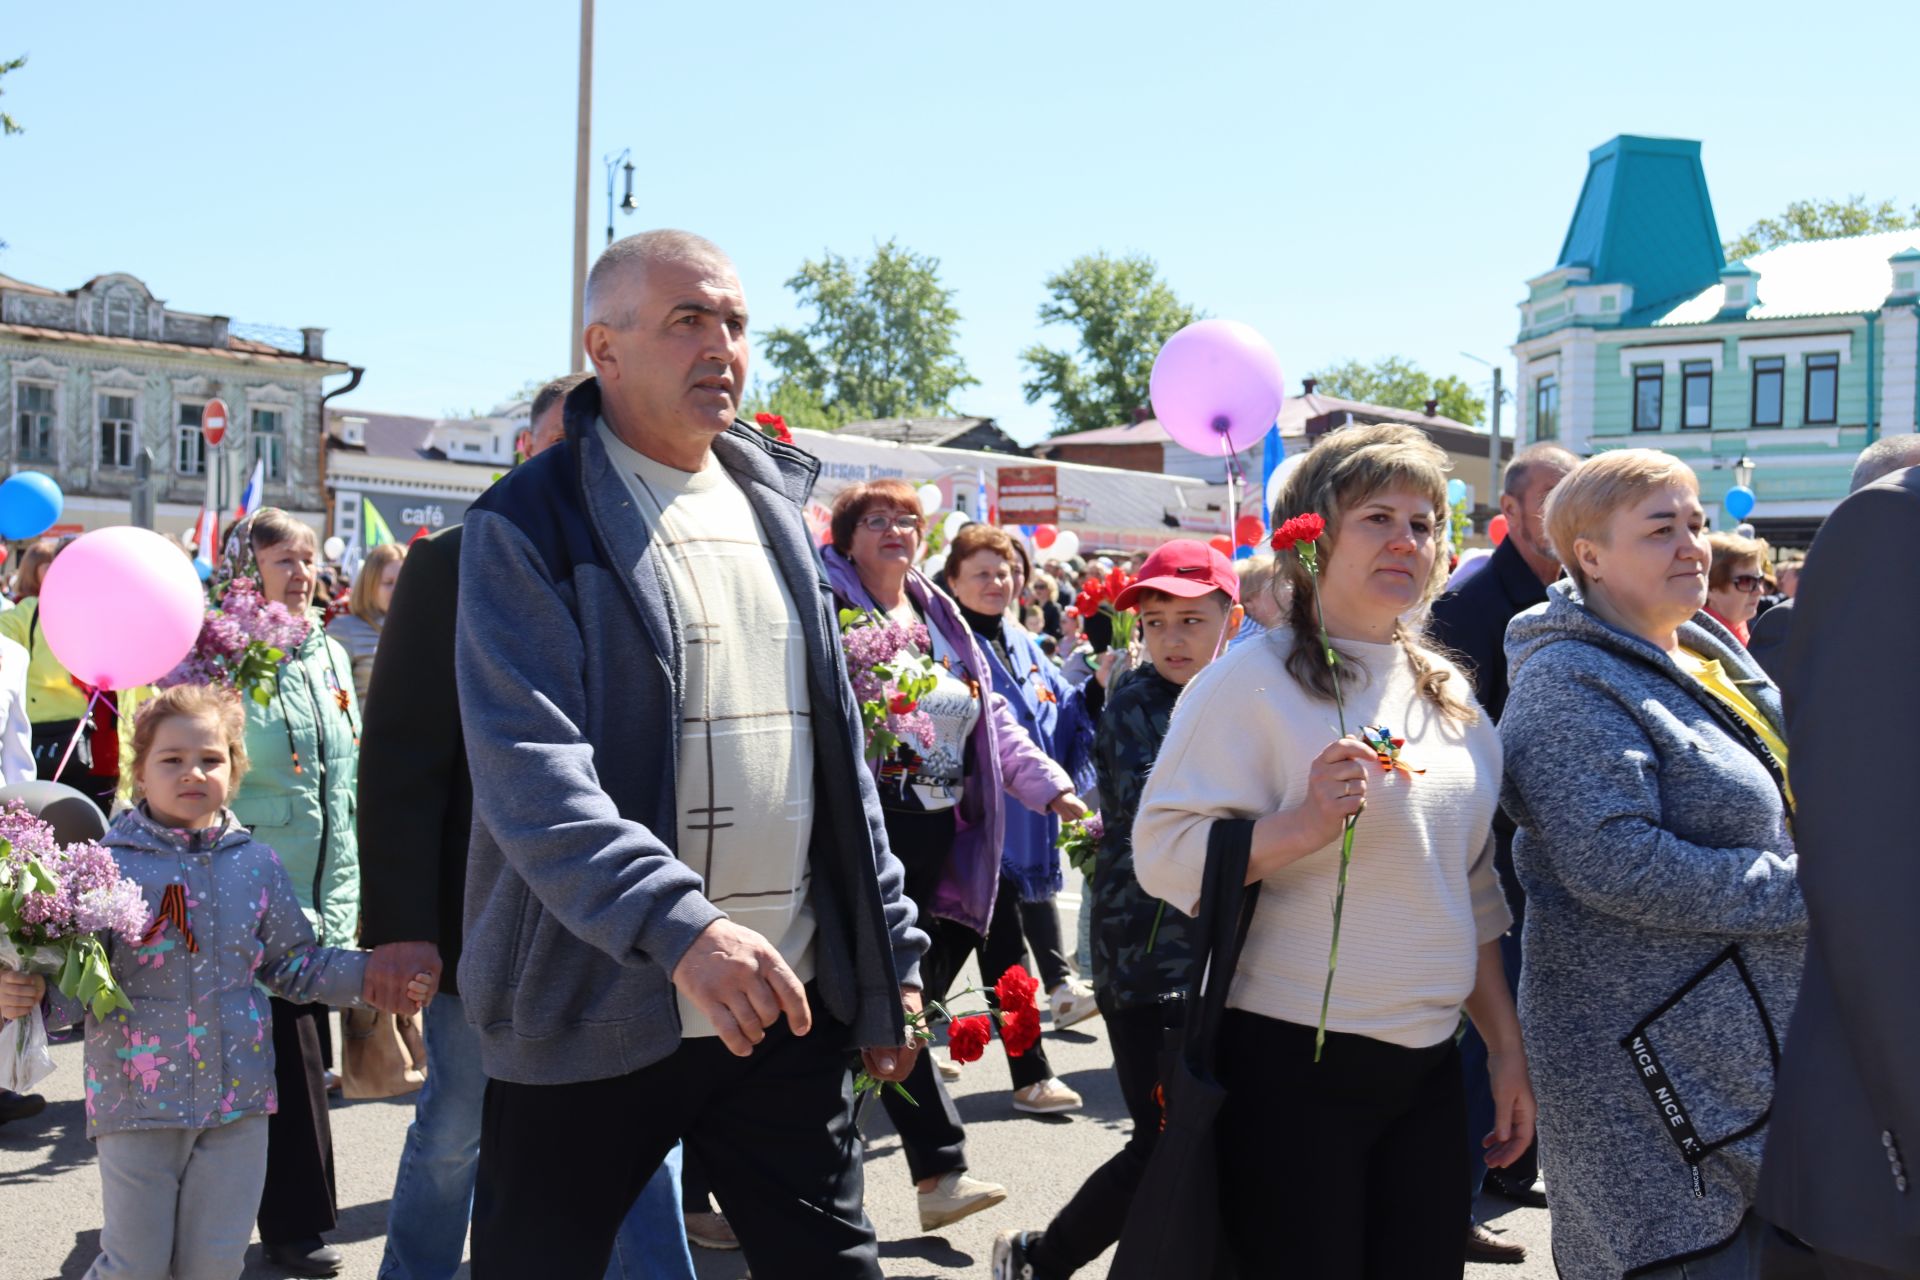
point(1110, 509)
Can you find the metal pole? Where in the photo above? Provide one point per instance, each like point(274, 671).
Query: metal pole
point(1493, 446)
point(577, 360)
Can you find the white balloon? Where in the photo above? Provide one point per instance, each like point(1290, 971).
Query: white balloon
point(1743, 530)
point(334, 548)
point(933, 564)
point(955, 521)
point(1066, 546)
point(1278, 480)
point(929, 495)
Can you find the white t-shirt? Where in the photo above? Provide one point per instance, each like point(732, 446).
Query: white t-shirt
point(745, 782)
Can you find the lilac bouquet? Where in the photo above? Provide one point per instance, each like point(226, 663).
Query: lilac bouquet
point(55, 905)
point(891, 671)
point(1080, 841)
point(242, 644)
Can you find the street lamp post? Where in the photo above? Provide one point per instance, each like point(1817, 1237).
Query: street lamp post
point(1493, 434)
point(627, 203)
point(1743, 471)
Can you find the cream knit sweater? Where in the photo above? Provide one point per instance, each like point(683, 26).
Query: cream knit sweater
point(1422, 894)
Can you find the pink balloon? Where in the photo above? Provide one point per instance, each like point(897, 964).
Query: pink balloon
point(121, 607)
point(1216, 381)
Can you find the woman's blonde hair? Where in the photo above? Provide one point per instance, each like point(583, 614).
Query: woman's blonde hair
point(367, 585)
point(1581, 505)
point(1340, 473)
point(1731, 550)
point(198, 702)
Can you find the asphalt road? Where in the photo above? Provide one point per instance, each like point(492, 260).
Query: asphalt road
point(50, 1193)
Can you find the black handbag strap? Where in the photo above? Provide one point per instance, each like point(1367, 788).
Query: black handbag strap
point(1226, 913)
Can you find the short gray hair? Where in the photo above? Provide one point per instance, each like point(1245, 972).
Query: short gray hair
point(1884, 457)
point(1532, 458)
point(624, 259)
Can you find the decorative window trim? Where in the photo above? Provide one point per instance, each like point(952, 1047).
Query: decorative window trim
point(39, 369)
point(1670, 356)
point(1689, 370)
point(197, 387)
point(58, 434)
point(1797, 348)
point(174, 428)
point(100, 420)
point(117, 378)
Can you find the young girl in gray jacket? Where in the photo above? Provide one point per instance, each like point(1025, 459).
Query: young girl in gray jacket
point(179, 1088)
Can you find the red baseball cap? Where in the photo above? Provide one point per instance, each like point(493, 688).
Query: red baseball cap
point(1184, 568)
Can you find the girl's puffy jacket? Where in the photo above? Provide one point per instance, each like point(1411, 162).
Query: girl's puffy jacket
point(196, 1049)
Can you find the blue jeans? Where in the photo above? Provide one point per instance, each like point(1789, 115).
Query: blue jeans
point(433, 1193)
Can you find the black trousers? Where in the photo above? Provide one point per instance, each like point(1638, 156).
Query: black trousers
point(298, 1201)
point(1040, 921)
point(1092, 1220)
point(1005, 947)
point(560, 1165)
point(1352, 1161)
point(931, 1133)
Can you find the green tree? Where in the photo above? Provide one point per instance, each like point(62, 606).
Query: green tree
point(880, 344)
point(1820, 220)
point(1401, 384)
point(800, 406)
point(1124, 313)
point(7, 123)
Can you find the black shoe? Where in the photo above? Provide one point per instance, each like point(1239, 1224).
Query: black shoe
point(310, 1257)
point(18, 1106)
point(1531, 1193)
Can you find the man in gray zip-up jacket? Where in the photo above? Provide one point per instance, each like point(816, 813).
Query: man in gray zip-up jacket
point(620, 1000)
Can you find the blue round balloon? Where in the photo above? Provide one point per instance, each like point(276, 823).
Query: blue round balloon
point(1456, 489)
point(204, 569)
point(30, 504)
point(1243, 553)
point(1739, 502)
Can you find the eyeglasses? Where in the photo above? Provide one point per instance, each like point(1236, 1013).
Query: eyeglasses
point(1747, 582)
point(880, 522)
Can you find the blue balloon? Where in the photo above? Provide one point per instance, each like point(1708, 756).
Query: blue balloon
point(1243, 553)
point(30, 504)
point(1739, 502)
point(204, 569)
point(1456, 489)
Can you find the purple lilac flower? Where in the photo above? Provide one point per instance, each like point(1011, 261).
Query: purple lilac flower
point(1096, 826)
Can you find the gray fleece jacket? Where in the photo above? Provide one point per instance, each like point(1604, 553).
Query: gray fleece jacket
point(196, 1049)
point(569, 663)
point(1663, 938)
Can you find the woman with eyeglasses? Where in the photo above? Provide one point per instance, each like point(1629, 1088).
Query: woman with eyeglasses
point(944, 807)
point(1736, 581)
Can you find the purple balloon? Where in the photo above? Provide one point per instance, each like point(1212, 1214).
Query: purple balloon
point(1216, 382)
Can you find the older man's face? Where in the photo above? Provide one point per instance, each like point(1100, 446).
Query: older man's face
point(680, 366)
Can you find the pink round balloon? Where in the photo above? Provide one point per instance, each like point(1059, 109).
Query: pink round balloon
point(1216, 381)
point(121, 607)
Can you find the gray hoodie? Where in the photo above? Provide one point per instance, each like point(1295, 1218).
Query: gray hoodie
point(196, 1049)
point(1663, 938)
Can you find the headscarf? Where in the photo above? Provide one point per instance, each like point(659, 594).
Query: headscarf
point(237, 560)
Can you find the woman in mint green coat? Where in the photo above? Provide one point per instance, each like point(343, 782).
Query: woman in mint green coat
point(304, 748)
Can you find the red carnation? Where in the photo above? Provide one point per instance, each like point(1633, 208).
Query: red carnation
point(1020, 1030)
point(774, 425)
point(967, 1037)
point(1118, 581)
point(900, 704)
point(1016, 990)
point(1307, 528)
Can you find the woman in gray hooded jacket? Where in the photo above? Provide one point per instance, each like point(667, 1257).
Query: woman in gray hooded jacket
point(1646, 770)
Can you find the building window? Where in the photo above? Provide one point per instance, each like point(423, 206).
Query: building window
point(1769, 390)
point(189, 446)
point(1823, 389)
point(1546, 409)
point(117, 432)
point(34, 413)
point(270, 442)
point(1647, 388)
point(1696, 394)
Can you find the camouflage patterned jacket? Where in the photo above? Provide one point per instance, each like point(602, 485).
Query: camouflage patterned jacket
point(1132, 727)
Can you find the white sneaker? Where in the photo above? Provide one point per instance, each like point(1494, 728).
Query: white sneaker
point(1072, 1002)
point(957, 1196)
point(1048, 1098)
point(949, 1069)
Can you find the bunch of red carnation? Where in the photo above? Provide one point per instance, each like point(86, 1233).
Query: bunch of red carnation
point(1019, 1016)
point(1296, 529)
point(1098, 593)
point(774, 426)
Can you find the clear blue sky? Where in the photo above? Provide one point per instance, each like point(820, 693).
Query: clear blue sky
point(1351, 179)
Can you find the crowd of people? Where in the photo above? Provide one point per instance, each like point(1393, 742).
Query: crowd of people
point(572, 810)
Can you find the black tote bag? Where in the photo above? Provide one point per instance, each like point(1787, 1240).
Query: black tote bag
point(1174, 1227)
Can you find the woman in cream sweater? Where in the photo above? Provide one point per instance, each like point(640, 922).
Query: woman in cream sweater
point(1349, 1168)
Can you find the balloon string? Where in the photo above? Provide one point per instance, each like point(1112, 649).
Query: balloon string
point(1233, 521)
point(86, 718)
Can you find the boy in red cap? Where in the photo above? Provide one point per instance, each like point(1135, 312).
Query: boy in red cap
point(1188, 599)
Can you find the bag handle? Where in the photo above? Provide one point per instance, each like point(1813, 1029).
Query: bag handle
point(1226, 913)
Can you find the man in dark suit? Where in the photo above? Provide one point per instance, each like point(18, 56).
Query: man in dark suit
point(1846, 1108)
point(1472, 623)
point(1768, 639)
